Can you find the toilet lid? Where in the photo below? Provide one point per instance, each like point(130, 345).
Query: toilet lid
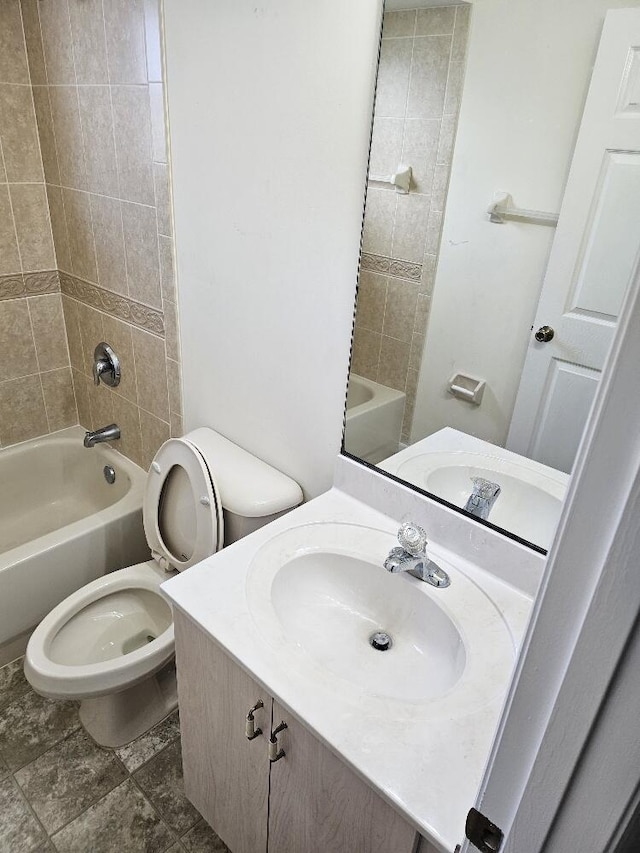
point(182, 510)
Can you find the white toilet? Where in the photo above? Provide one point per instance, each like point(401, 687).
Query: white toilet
point(110, 644)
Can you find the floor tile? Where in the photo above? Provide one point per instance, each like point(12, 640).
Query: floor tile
point(121, 821)
point(139, 751)
point(202, 839)
point(13, 684)
point(20, 832)
point(31, 725)
point(65, 780)
point(161, 780)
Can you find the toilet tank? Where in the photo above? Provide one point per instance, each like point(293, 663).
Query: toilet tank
point(252, 492)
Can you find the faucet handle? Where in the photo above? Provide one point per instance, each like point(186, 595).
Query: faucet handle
point(412, 538)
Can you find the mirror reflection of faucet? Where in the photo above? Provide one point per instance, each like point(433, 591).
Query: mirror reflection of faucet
point(412, 557)
point(482, 498)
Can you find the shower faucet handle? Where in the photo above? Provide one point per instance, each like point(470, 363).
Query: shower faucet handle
point(106, 365)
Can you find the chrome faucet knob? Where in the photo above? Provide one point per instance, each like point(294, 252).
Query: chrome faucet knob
point(412, 538)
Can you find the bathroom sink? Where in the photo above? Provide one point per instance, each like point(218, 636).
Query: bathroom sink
point(320, 595)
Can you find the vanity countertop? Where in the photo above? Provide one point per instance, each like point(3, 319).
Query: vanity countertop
point(426, 759)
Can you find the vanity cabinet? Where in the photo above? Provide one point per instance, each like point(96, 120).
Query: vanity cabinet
point(308, 801)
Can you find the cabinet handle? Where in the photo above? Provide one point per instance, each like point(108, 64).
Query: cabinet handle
point(250, 729)
point(274, 753)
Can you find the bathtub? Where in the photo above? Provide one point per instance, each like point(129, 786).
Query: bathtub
point(62, 525)
point(374, 419)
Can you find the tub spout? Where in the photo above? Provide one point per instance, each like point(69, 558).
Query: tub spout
point(107, 433)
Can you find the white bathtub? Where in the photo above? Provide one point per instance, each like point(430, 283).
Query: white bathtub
point(374, 419)
point(61, 524)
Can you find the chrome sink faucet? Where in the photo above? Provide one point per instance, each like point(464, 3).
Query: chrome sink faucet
point(412, 557)
point(482, 498)
point(106, 433)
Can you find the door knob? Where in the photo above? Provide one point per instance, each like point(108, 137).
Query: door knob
point(544, 334)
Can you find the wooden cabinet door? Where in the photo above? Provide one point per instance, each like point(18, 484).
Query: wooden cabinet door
point(318, 805)
point(226, 776)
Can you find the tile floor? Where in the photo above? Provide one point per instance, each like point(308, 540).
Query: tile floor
point(61, 792)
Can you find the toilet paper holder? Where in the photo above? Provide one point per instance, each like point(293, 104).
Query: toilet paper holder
point(466, 387)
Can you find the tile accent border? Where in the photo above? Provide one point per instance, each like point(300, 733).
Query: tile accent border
point(29, 284)
point(149, 319)
point(394, 267)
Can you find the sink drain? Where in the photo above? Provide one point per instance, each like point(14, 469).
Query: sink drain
point(380, 641)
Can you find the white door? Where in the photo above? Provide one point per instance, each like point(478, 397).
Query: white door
point(592, 257)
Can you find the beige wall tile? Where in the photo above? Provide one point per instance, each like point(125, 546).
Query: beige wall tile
point(423, 306)
point(102, 406)
point(151, 372)
point(174, 380)
point(13, 55)
point(434, 230)
point(59, 399)
point(33, 37)
point(420, 150)
point(118, 335)
point(393, 77)
point(445, 144)
point(59, 228)
point(429, 70)
point(81, 385)
point(177, 428)
point(22, 411)
point(46, 134)
point(454, 88)
point(17, 348)
point(31, 214)
point(372, 296)
point(461, 33)
point(9, 256)
point(366, 353)
point(3, 174)
point(394, 363)
point(167, 275)
point(153, 39)
point(415, 354)
point(132, 122)
point(74, 338)
point(172, 338)
point(141, 251)
point(386, 145)
point(19, 133)
point(56, 38)
point(127, 416)
point(154, 433)
point(109, 240)
point(163, 202)
point(400, 310)
point(436, 22)
point(158, 131)
point(397, 24)
point(90, 322)
point(409, 404)
point(47, 322)
point(124, 26)
point(410, 228)
point(68, 131)
point(89, 46)
point(378, 221)
point(77, 210)
point(99, 145)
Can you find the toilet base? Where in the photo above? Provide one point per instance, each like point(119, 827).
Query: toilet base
point(118, 718)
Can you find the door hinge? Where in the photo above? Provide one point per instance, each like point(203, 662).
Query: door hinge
point(483, 834)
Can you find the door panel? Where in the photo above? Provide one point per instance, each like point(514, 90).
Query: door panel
point(592, 258)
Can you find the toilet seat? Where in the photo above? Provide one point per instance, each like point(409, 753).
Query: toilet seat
point(97, 678)
point(180, 480)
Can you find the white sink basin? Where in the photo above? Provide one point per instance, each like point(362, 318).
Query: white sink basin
point(318, 592)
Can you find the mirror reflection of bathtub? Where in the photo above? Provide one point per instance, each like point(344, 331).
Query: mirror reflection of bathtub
point(374, 419)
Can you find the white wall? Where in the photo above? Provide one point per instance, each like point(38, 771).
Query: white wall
point(528, 70)
point(270, 111)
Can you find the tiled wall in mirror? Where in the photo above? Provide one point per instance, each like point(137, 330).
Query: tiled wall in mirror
point(498, 243)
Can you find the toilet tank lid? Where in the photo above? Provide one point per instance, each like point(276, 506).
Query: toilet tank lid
point(248, 486)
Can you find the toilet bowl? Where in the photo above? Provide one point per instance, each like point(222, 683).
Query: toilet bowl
point(111, 644)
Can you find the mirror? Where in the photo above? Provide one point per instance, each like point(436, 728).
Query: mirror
point(494, 261)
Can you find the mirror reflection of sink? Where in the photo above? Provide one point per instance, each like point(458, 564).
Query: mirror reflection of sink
point(319, 592)
point(531, 494)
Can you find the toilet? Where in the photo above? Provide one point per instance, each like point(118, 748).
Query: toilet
point(110, 645)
